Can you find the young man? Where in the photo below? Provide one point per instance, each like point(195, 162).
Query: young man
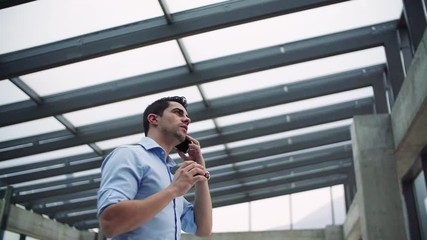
point(139, 198)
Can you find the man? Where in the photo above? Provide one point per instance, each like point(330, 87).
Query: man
point(138, 196)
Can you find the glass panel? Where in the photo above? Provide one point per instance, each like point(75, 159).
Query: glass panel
point(54, 179)
point(294, 106)
point(30, 128)
point(67, 18)
point(270, 214)
point(104, 69)
point(200, 126)
point(112, 143)
point(294, 73)
point(127, 108)
point(46, 156)
point(9, 93)
point(338, 200)
point(233, 218)
point(290, 28)
point(11, 235)
point(179, 5)
point(132, 139)
point(292, 133)
point(311, 209)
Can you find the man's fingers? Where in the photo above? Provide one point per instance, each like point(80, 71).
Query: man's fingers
point(193, 140)
point(187, 163)
point(197, 171)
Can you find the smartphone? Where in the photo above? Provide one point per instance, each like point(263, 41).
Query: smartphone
point(183, 147)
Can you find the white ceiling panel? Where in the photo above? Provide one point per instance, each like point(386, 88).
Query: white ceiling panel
point(48, 21)
point(294, 73)
point(289, 28)
point(126, 108)
point(178, 5)
point(30, 128)
point(288, 134)
point(294, 107)
point(9, 93)
point(46, 156)
point(105, 69)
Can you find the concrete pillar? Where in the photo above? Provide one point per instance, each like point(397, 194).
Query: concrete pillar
point(334, 232)
point(380, 206)
point(314, 234)
point(409, 113)
point(4, 210)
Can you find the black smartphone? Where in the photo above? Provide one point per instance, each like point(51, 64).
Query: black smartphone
point(183, 147)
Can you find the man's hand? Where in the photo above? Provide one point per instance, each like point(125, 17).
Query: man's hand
point(188, 174)
point(194, 152)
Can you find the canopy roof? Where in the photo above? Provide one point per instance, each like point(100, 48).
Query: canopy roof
point(272, 88)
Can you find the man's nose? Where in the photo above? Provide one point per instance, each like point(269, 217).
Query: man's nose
point(187, 120)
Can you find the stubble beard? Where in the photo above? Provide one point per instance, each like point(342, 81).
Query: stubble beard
point(180, 137)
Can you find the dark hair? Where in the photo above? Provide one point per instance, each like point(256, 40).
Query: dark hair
point(158, 106)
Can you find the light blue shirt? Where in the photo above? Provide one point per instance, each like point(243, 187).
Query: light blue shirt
point(137, 172)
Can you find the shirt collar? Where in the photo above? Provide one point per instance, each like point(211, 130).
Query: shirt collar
point(150, 145)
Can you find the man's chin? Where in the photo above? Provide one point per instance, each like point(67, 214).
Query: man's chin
point(181, 138)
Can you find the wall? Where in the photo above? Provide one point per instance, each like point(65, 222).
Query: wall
point(329, 233)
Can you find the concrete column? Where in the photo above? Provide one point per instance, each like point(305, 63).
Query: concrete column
point(334, 232)
point(409, 113)
point(380, 205)
point(4, 210)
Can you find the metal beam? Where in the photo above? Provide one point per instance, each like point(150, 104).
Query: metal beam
point(232, 133)
point(269, 192)
point(96, 132)
point(302, 171)
point(60, 191)
point(277, 164)
point(277, 182)
point(274, 191)
point(229, 133)
point(75, 205)
point(50, 184)
point(239, 154)
point(284, 145)
point(395, 70)
point(65, 161)
point(288, 122)
point(218, 107)
point(12, 3)
point(229, 66)
point(62, 199)
point(414, 13)
point(281, 167)
point(74, 217)
point(380, 88)
point(143, 33)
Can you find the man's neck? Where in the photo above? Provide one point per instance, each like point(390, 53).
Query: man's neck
point(165, 143)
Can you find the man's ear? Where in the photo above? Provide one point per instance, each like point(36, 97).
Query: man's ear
point(152, 119)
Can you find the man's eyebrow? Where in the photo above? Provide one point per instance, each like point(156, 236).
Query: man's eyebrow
point(180, 110)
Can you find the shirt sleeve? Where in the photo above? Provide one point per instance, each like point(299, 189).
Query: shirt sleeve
point(121, 174)
point(188, 221)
